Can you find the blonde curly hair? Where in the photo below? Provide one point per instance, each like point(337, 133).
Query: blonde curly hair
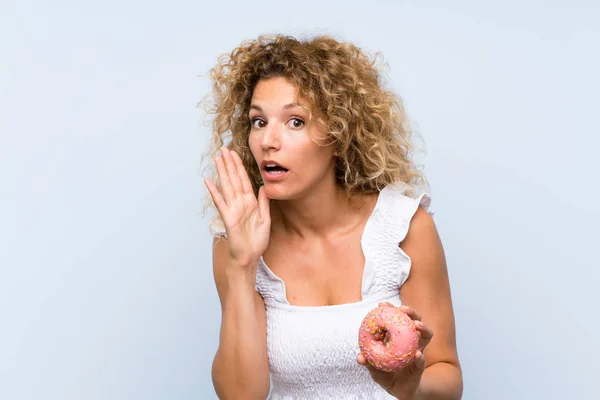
point(365, 122)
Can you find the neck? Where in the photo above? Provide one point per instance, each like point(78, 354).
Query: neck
point(319, 213)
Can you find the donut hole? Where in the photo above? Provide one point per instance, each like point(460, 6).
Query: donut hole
point(382, 334)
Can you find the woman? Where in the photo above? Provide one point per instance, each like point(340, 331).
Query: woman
point(318, 224)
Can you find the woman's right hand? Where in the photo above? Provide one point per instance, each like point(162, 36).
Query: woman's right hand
point(247, 220)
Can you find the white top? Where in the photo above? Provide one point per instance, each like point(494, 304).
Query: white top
point(312, 350)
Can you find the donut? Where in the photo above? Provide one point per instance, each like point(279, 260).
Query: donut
point(388, 338)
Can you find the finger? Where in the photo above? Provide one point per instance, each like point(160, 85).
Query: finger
point(425, 334)
point(411, 312)
point(228, 194)
point(216, 196)
point(379, 376)
point(234, 177)
point(263, 205)
point(418, 364)
point(361, 359)
point(243, 174)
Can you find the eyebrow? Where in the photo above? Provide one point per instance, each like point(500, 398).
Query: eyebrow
point(287, 106)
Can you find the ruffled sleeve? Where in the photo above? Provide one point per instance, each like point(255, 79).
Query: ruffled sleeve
point(217, 228)
point(388, 266)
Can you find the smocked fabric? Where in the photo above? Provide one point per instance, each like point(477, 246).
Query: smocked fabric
point(312, 350)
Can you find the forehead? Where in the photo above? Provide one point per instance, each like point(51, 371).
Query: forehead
point(274, 89)
point(277, 94)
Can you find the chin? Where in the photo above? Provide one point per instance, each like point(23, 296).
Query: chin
point(277, 191)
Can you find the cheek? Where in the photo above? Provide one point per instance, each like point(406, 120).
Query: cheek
point(320, 160)
point(323, 154)
point(254, 144)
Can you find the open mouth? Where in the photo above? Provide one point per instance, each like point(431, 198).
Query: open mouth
point(275, 169)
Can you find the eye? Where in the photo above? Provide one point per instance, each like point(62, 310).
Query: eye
point(297, 122)
point(257, 123)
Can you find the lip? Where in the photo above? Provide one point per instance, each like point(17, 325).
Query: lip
point(270, 176)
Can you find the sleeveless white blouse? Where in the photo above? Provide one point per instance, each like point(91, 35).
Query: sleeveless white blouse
point(312, 350)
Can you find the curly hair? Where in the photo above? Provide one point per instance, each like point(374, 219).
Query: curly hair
point(345, 89)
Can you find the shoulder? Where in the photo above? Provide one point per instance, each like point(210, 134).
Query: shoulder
point(422, 232)
point(424, 246)
point(219, 258)
point(421, 223)
point(413, 216)
point(405, 213)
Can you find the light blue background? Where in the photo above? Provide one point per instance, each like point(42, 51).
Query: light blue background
point(106, 288)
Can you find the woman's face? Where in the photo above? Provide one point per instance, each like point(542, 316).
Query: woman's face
point(285, 144)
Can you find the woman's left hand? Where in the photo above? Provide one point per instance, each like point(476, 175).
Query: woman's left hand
point(403, 383)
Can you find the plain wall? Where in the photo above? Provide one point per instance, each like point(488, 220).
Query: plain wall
point(106, 287)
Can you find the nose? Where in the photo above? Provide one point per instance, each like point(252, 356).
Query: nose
point(271, 138)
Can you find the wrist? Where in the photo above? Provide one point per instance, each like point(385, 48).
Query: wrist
point(242, 263)
point(416, 395)
point(241, 274)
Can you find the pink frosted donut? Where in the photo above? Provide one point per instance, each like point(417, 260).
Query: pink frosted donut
point(388, 338)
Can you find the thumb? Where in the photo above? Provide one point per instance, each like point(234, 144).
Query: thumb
point(263, 204)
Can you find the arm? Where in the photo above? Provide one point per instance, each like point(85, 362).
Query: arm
point(427, 290)
point(240, 368)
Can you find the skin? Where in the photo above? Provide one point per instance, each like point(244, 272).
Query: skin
point(309, 233)
point(313, 223)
